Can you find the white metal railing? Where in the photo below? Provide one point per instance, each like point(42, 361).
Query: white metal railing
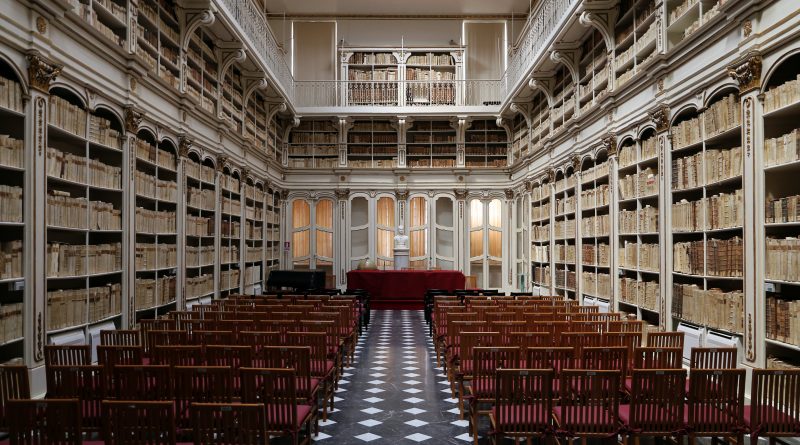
point(403, 93)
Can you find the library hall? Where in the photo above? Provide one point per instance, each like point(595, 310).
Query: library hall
point(351, 222)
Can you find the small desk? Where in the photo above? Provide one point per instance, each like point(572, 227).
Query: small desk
point(402, 289)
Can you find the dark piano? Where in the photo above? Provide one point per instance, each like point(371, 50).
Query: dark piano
point(297, 280)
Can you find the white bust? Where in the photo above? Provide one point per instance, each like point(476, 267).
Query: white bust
point(400, 239)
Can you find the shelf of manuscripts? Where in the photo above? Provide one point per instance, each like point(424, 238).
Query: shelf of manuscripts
point(638, 238)
point(430, 79)
point(565, 233)
point(540, 121)
point(541, 208)
point(372, 144)
point(202, 79)
point(201, 208)
point(314, 144)
point(486, 145)
point(254, 198)
point(156, 227)
point(636, 32)
point(520, 140)
point(593, 70)
point(685, 17)
point(595, 215)
point(563, 108)
point(431, 144)
point(255, 120)
point(108, 17)
point(272, 230)
point(372, 79)
point(83, 215)
point(231, 99)
point(12, 186)
point(158, 40)
point(782, 217)
point(230, 232)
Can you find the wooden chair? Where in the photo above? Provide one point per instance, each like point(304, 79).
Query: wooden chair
point(147, 325)
point(276, 389)
point(555, 358)
point(323, 367)
point(630, 340)
point(206, 384)
point(235, 357)
point(506, 328)
point(527, 340)
point(775, 405)
point(657, 405)
point(657, 358)
point(589, 404)
point(482, 389)
point(605, 357)
point(56, 422)
point(229, 424)
point(166, 338)
point(713, 358)
point(177, 355)
point(587, 326)
point(120, 337)
point(65, 355)
point(297, 358)
point(523, 404)
point(138, 422)
point(259, 339)
point(205, 338)
point(14, 384)
point(665, 339)
point(460, 362)
point(626, 326)
point(715, 406)
point(137, 382)
point(85, 383)
point(580, 340)
point(111, 356)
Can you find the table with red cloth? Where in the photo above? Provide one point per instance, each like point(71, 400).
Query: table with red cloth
point(402, 288)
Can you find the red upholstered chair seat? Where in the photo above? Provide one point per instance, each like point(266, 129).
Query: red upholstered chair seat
point(521, 414)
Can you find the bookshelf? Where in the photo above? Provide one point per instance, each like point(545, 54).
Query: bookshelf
point(231, 98)
point(685, 17)
point(563, 107)
point(781, 165)
point(372, 144)
point(12, 222)
point(156, 248)
point(314, 144)
point(200, 233)
point(84, 215)
point(255, 127)
point(707, 215)
point(486, 145)
point(373, 78)
point(431, 144)
point(593, 70)
point(541, 223)
point(202, 79)
point(595, 220)
point(520, 141)
point(107, 17)
point(158, 40)
point(274, 139)
point(565, 233)
point(230, 232)
point(254, 236)
point(638, 236)
point(636, 35)
point(540, 121)
point(273, 230)
point(430, 79)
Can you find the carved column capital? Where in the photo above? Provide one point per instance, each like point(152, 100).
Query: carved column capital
point(509, 194)
point(550, 175)
point(461, 194)
point(284, 195)
point(576, 163)
point(133, 119)
point(184, 145)
point(342, 194)
point(610, 144)
point(747, 73)
point(221, 161)
point(41, 72)
point(660, 117)
point(401, 195)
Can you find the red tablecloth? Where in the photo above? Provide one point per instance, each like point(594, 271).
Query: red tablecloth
point(403, 284)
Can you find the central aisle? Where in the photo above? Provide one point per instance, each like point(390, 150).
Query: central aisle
point(394, 393)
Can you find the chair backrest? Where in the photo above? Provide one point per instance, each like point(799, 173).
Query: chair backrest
point(716, 401)
point(166, 338)
point(147, 325)
point(607, 357)
point(506, 327)
point(527, 340)
point(226, 355)
point(626, 326)
point(65, 355)
point(111, 356)
point(138, 422)
point(555, 358)
point(713, 358)
point(120, 337)
point(259, 339)
point(204, 337)
point(229, 424)
point(665, 339)
point(589, 402)
point(587, 326)
point(580, 340)
point(657, 400)
point(277, 390)
point(143, 382)
point(657, 358)
point(630, 340)
point(468, 341)
point(14, 384)
point(51, 422)
point(85, 383)
point(524, 401)
point(289, 357)
point(775, 402)
point(487, 360)
point(177, 355)
point(200, 384)
point(317, 341)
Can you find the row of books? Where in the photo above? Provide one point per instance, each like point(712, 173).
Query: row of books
point(80, 213)
point(11, 254)
point(596, 284)
point(540, 254)
point(564, 253)
point(541, 275)
point(644, 220)
point(644, 294)
point(433, 163)
point(540, 192)
point(151, 256)
point(430, 59)
point(783, 320)
point(783, 259)
point(691, 302)
point(199, 286)
point(200, 255)
point(254, 213)
point(422, 138)
point(231, 206)
point(11, 151)
point(70, 260)
point(783, 210)
point(252, 275)
point(372, 93)
point(313, 150)
point(649, 150)
point(229, 254)
point(540, 212)
point(152, 292)
point(592, 173)
point(67, 116)
point(253, 254)
point(203, 199)
point(566, 278)
point(599, 225)
point(782, 149)
point(372, 58)
point(565, 229)
point(200, 172)
point(787, 93)
point(540, 233)
point(10, 203)
point(100, 131)
point(230, 229)
point(716, 257)
point(642, 184)
point(482, 150)
point(722, 115)
point(68, 308)
point(372, 138)
point(489, 163)
point(426, 150)
point(10, 322)
point(774, 362)
point(155, 155)
point(686, 133)
point(417, 74)
point(199, 226)
point(314, 138)
point(719, 165)
point(10, 94)
point(254, 193)
point(229, 279)
point(596, 255)
point(565, 205)
point(642, 256)
point(229, 183)
point(83, 170)
point(152, 187)
point(155, 222)
point(722, 211)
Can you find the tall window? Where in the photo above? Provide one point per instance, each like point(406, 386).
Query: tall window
point(486, 242)
point(312, 243)
point(372, 229)
point(301, 234)
point(385, 233)
point(418, 232)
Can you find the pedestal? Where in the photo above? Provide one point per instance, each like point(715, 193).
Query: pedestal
point(400, 259)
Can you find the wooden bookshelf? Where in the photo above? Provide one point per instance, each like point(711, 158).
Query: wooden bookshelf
point(108, 18)
point(202, 79)
point(231, 100)
point(595, 228)
point(201, 211)
point(565, 233)
point(254, 236)
point(273, 231)
point(314, 144)
point(431, 144)
point(540, 121)
point(486, 145)
point(84, 215)
point(430, 79)
point(541, 234)
point(636, 35)
point(372, 144)
point(373, 78)
point(563, 108)
point(593, 71)
point(158, 40)
point(156, 195)
point(230, 233)
point(520, 141)
point(685, 17)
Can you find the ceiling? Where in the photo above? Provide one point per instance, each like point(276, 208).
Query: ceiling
point(351, 8)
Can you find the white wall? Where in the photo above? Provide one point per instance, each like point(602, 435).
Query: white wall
point(416, 32)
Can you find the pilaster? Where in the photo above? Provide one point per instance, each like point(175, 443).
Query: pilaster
point(341, 226)
point(510, 250)
point(460, 229)
point(133, 119)
point(345, 124)
point(185, 144)
point(221, 161)
point(660, 118)
point(610, 145)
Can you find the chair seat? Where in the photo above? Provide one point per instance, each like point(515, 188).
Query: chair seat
point(774, 416)
point(303, 413)
point(522, 414)
point(482, 389)
point(660, 415)
point(587, 412)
